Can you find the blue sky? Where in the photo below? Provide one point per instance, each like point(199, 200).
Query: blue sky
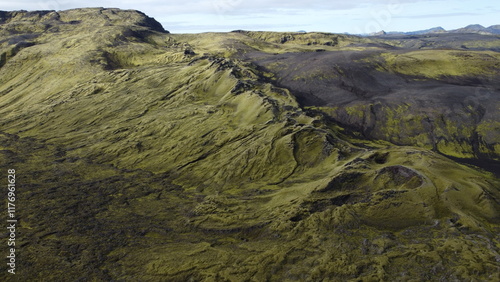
point(355, 16)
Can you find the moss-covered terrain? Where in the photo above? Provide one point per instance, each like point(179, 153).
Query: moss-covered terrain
point(142, 155)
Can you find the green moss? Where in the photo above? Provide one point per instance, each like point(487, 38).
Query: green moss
point(442, 63)
point(357, 112)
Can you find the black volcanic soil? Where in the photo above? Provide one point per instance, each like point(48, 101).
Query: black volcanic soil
point(447, 109)
point(340, 77)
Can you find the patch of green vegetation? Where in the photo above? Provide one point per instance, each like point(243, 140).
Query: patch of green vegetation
point(489, 132)
point(490, 44)
point(442, 63)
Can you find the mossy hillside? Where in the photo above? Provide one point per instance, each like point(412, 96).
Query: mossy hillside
point(443, 63)
point(475, 44)
point(461, 133)
point(489, 131)
point(307, 39)
point(239, 43)
point(209, 85)
point(77, 54)
point(196, 168)
point(151, 122)
point(28, 21)
point(404, 175)
point(331, 219)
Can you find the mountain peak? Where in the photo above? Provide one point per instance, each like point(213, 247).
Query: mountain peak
point(431, 30)
point(475, 26)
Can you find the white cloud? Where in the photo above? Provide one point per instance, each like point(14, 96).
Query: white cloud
point(204, 6)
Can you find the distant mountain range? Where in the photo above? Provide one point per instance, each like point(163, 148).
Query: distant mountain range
point(473, 28)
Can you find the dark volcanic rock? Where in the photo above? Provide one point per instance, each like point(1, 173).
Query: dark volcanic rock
point(405, 97)
point(399, 177)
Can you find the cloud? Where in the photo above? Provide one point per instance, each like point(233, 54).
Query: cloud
point(443, 15)
point(203, 6)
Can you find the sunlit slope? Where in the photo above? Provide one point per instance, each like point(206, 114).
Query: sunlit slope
point(157, 108)
point(175, 157)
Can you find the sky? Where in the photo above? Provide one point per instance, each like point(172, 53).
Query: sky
point(337, 16)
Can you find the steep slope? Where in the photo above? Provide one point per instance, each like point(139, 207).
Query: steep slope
point(144, 155)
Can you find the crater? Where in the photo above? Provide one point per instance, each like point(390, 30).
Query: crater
point(398, 176)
